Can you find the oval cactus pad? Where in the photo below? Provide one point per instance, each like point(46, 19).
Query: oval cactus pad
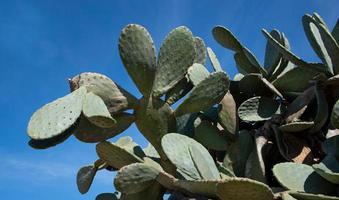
point(96, 111)
point(56, 117)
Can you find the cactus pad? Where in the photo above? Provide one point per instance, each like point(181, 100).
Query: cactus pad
point(96, 111)
point(284, 50)
point(295, 80)
point(135, 178)
point(244, 65)
point(115, 156)
point(200, 49)
point(257, 109)
point(54, 118)
point(137, 52)
point(176, 55)
point(85, 178)
point(176, 148)
point(302, 178)
point(227, 115)
point(204, 162)
point(226, 38)
point(214, 60)
point(150, 151)
point(328, 168)
point(322, 42)
point(197, 73)
point(243, 189)
point(208, 92)
point(272, 56)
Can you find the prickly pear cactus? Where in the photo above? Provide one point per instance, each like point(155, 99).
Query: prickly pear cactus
point(270, 133)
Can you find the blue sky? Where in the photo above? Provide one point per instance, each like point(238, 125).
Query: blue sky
point(42, 43)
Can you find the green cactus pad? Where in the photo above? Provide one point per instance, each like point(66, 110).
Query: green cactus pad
point(197, 73)
point(200, 50)
point(299, 105)
point(116, 98)
point(90, 133)
point(176, 148)
point(335, 115)
point(284, 50)
point(328, 168)
point(214, 60)
point(257, 109)
point(204, 162)
point(295, 80)
point(200, 187)
point(322, 42)
point(106, 196)
point(302, 178)
point(208, 92)
point(227, 115)
point(95, 110)
point(308, 196)
point(254, 61)
point(137, 52)
point(296, 126)
point(226, 38)
point(85, 178)
point(243, 189)
point(244, 65)
point(272, 55)
point(150, 151)
point(135, 178)
point(115, 156)
point(176, 55)
point(178, 91)
point(210, 136)
point(55, 118)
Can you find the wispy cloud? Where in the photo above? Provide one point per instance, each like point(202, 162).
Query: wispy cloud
point(33, 171)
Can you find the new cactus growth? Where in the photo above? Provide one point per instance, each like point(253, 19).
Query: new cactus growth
point(270, 133)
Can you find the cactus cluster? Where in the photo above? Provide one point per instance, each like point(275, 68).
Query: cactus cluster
point(270, 133)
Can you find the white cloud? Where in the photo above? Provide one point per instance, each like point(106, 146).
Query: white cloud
point(33, 171)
